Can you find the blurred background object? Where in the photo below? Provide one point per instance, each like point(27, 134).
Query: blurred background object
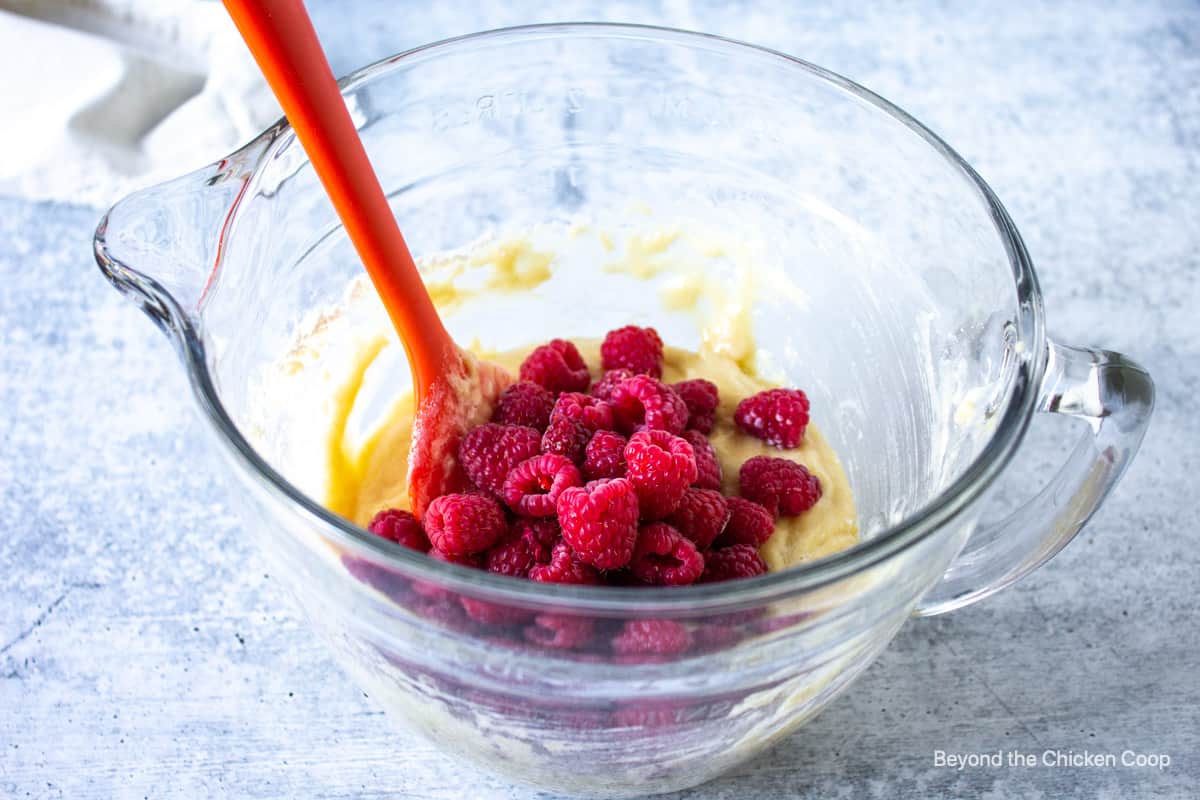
point(123, 93)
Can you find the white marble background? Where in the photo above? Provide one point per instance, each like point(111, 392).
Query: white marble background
point(146, 652)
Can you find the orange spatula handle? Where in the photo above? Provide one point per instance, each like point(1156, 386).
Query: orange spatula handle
point(285, 45)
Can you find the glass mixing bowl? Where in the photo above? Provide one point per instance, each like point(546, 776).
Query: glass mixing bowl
point(889, 283)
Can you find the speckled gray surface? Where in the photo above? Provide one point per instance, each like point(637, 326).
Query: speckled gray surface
point(145, 651)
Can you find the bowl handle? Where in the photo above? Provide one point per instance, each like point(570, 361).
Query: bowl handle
point(1115, 396)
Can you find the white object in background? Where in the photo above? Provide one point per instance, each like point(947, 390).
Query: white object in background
point(105, 96)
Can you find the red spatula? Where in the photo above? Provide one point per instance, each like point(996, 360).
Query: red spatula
point(454, 391)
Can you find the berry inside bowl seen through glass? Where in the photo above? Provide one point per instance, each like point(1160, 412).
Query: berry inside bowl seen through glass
point(771, 341)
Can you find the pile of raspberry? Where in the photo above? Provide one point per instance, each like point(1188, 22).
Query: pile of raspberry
point(613, 481)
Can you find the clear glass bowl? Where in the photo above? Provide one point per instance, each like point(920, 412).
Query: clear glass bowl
point(888, 282)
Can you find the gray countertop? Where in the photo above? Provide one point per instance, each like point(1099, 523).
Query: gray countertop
point(146, 651)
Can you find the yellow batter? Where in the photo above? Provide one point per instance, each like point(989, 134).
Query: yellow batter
point(363, 480)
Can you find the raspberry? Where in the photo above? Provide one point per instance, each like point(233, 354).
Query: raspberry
point(528, 544)
point(545, 533)
point(711, 638)
point(473, 560)
point(591, 412)
point(560, 631)
point(633, 348)
point(643, 400)
point(512, 556)
point(730, 563)
point(660, 467)
point(604, 456)
point(436, 592)
point(659, 637)
point(780, 486)
point(701, 398)
point(565, 567)
point(446, 612)
point(400, 527)
point(463, 524)
point(708, 469)
point(777, 416)
point(533, 486)
point(599, 521)
point(556, 366)
point(490, 613)
point(489, 452)
point(524, 403)
point(621, 577)
point(749, 523)
point(566, 437)
point(701, 516)
point(603, 388)
point(663, 557)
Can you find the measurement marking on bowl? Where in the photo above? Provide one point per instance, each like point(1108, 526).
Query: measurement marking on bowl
point(743, 117)
point(511, 104)
point(506, 104)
